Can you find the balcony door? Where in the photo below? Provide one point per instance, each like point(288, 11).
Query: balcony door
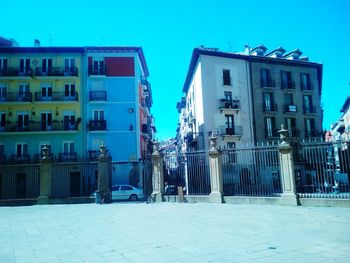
point(22, 121)
point(3, 92)
point(46, 121)
point(99, 67)
point(23, 91)
point(68, 148)
point(21, 149)
point(291, 126)
point(46, 66)
point(2, 121)
point(268, 101)
point(228, 99)
point(69, 64)
point(69, 91)
point(46, 92)
point(24, 65)
point(229, 121)
point(3, 65)
point(69, 120)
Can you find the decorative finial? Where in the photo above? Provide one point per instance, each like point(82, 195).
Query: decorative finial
point(283, 134)
point(103, 151)
point(45, 153)
point(213, 140)
point(155, 147)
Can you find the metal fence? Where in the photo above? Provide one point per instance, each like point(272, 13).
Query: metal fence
point(189, 170)
point(251, 171)
point(19, 181)
point(322, 169)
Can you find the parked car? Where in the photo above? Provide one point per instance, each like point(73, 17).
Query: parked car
point(126, 192)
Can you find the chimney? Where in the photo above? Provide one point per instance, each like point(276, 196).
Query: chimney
point(246, 49)
point(36, 43)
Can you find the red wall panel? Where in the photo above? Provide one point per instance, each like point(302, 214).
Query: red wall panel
point(120, 66)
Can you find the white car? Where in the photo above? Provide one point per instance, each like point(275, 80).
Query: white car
point(126, 192)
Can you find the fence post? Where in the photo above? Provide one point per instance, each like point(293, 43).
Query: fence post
point(103, 174)
point(45, 168)
point(285, 154)
point(216, 192)
point(158, 174)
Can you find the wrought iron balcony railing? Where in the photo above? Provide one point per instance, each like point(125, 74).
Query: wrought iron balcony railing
point(97, 71)
point(57, 72)
point(40, 126)
point(57, 96)
point(20, 158)
point(288, 85)
point(306, 85)
point(235, 130)
point(270, 108)
point(98, 95)
point(16, 97)
point(99, 125)
point(16, 72)
point(311, 109)
point(229, 104)
point(266, 83)
point(67, 156)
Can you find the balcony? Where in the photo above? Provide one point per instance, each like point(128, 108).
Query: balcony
point(20, 158)
point(16, 97)
point(97, 71)
point(306, 86)
point(67, 157)
point(269, 83)
point(40, 126)
point(309, 110)
point(288, 85)
point(290, 108)
point(56, 96)
point(229, 104)
point(93, 155)
point(2, 158)
point(234, 131)
point(313, 133)
point(57, 72)
point(270, 108)
point(39, 156)
point(98, 95)
point(293, 132)
point(15, 72)
point(144, 128)
point(99, 125)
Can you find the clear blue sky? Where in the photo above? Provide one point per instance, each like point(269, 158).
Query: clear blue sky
point(169, 30)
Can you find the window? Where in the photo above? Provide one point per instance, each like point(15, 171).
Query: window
point(308, 107)
point(46, 121)
point(21, 149)
point(22, 120)
point(98, 115)
point(265, 78)
point(68, 147)
point(3, 65)
point(2, 121)
point(310, 128)
point(99, 67)
point(270, 128)
point(125, 188)
point(2, 149)
point(69, 64)
point(305, 81)
point(3, 92)
point(69, 120)
point(46, 66)
point(46, 91)
point(229, 121)
point(23, 90)
point(291, 127)
point(24, 65)
point(286, 80)
point(228, 99)
point(115, 188)
point(69, 90)
point(268, 103)
point(226, 77)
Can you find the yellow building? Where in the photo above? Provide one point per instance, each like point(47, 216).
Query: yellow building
point(41, 102)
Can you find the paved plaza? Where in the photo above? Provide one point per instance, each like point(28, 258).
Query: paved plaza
point(172, 232)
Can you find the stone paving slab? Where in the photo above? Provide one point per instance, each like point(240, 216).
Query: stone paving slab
point(172, 232)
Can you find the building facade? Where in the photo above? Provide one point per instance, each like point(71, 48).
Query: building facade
point(245, 97)
point(41, 98)
point(340, 130)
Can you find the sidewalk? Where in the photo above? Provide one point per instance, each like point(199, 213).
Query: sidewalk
point(171, 232)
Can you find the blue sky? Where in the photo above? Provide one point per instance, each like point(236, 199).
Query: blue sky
point(169, 30)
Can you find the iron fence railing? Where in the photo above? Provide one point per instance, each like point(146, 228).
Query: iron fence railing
point(322, 169)
point(251, 171)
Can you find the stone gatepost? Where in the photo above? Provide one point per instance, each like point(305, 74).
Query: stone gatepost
point(45, 168)
point(289, 196)
point(158, 174)
point(216, 193)
point(103, 181)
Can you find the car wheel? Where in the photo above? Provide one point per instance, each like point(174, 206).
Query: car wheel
point(133, 197)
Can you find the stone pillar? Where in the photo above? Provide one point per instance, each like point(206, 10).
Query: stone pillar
point(158, 174)
point(289, 196)
point(45, 169)
point(103, 181)
point(216, 193)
